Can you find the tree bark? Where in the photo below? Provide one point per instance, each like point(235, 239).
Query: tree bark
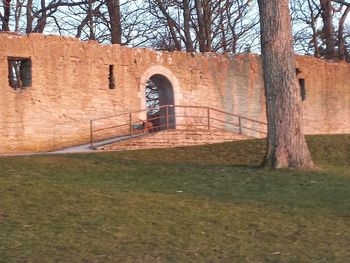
point(201, 27)
point(6, 17)
point(41, 24)
point(30, 18)
point(18, 14)
point(115, 21)
point(286, 145)
point(207, 15)
point(328, 31)
point(187, 26)
point(92, 35)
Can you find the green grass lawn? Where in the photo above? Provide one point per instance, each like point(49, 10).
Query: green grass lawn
point(196, 204)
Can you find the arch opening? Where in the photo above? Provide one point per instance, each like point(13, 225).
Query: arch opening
point(160, 93)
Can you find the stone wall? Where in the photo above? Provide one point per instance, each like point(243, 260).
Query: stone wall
point(70, 86)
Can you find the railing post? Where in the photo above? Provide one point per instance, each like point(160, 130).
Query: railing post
point(130, 124)
point(208, 114)
point(240, 125)
point(167, 117)
point(91, 135)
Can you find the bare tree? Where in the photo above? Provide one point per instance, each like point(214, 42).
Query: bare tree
point(5, 18)
point(172, 26)
point(198, 25)
point(204, 25)
point(287, 147)
point(187, 26)
point(329, 40)
point(342, 51)
point(306, 17)
point(109, 21)
point(328, 28)
point(237, 26)
point(36, 15)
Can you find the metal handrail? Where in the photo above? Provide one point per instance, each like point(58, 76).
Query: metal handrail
point(129, 124)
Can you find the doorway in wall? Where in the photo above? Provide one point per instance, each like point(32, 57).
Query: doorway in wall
point(159, 94)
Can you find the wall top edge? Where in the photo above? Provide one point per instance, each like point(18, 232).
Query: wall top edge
point(240, 56)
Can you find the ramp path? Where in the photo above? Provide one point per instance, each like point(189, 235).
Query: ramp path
point(166, 126)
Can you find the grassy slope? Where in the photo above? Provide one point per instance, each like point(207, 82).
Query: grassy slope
point(198, 204)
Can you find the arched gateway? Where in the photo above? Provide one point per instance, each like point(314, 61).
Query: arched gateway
point(159, 88)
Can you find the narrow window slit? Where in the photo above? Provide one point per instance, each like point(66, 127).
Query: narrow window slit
point(302, 89)
point(111, 78)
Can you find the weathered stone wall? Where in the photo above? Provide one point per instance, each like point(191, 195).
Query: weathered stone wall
point(70, 86)
point(327, 103)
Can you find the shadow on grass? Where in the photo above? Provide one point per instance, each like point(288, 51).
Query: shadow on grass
point(197, 204)
point(227, 172)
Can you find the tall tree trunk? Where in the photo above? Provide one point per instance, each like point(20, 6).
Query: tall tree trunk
point(207, 15)
point(326, 13)
point(29, 15)
point(18, 14)
point(187, 26)
point(287, 147)
point(115, 21)
point(6, 17)
point(92, 35)
point(201, 26)
point(40, 27)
